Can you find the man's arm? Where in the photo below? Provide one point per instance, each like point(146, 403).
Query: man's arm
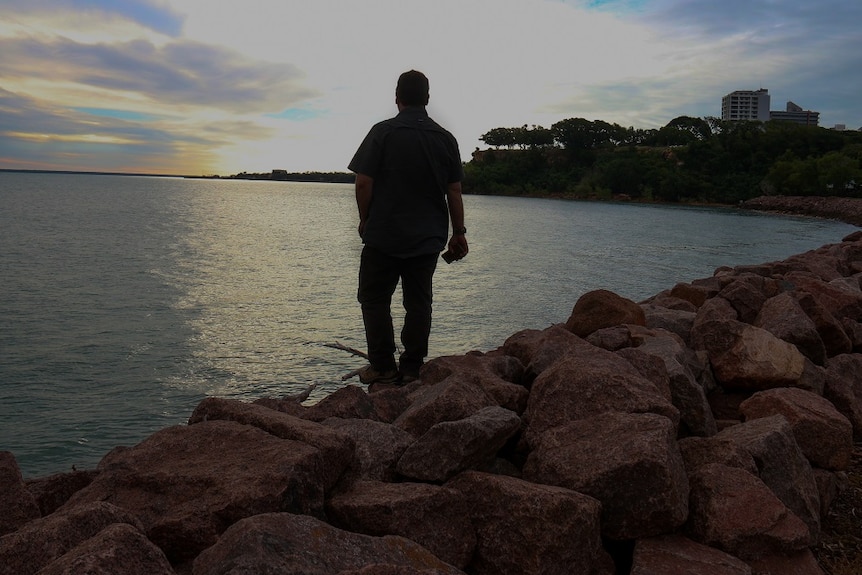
point(458, 243)
point(364, 187)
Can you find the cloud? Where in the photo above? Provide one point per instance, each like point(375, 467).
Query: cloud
point(157, 16)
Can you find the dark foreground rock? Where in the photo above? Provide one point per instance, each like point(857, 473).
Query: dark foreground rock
point(708, 430)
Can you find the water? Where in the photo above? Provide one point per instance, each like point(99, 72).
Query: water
point(126, 300)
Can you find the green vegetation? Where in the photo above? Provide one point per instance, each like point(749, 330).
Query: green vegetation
point(688, 160)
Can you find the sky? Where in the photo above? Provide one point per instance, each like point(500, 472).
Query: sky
point(197, 87)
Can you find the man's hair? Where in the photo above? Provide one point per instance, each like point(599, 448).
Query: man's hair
point(412, 89)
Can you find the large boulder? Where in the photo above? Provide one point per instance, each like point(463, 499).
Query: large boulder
point(537, 350)
point(279, 543)
point(454, 398)
point(734, 511)
point(187, 484)
point(44, 540)
point(379, 446)
point(745, 357)
point(747, 294)
point(435, 517)
point(831, 329)
point(17, 504)
point(450, 447)
point(524, 528)
point(498, 375)
point(843, 388)
point(589, 381)
point(783, 317)
point(822, 433)
point(629, 462)
point(53, 491)
point(602, 308)
point(671, 554)
point(781, 465)
point(119, 548)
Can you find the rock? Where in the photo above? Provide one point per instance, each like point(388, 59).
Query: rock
point(822, 433)
point(801, 563)
point(486, 372)
point(747, 357)
point(831, 330)
point(188, 483)
point(696, 294)
point(538, 350)
point(450, 447)
point(746, 295)
point(839, 297)
point(651, 367)
point(334, 447)
point(435, 517)
point(679, 322)
point(781, 465)
point(524, 528)
point(602, 308)
point(119, 548)
point(700, 451)
point(53, 491)
point(716, 308)
point(589, 381)
point(619, 336)
point(44, 540)
point(688, 396)
point(844, 388)
point(379, 446)
point(671, 554)
point(17, 505)
point(449, 400)
point(350, 401)
point(629, 462)
point(285, 543)
point(783, 317)
point(736, 512)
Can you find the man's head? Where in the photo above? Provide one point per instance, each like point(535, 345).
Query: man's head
point(412, 89)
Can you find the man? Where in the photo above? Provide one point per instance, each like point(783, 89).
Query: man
point(408, 187)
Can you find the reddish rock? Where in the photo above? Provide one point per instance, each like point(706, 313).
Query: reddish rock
point(663, 300)
point(679, 322)
point(844, 388)
point(524, 528)
point(629, 462)
point(188, 483)
point(287, 543)
point(747, 295)
point(736, 512)
point(538, 350)
point(450, 447)
point(54, 490)
point(119, 548)
point(435, 517)
point(700, 451)
point(650, 367)
point(695, 294)
point(349, 401)
point(587, 382)
point(44, 540)
point(486, 372)
point(824, 435)
point(747, 357)
point(602, 308)
point(839, 297)
point(687, 394)
point(781, 465)
point(853, 329)
point(454, 398)
point(379, 446)
point(831, 329)
point(801, 563)
point(620, 336)
point(17, 505)
point(716, 308)
point(783, 317)
point(672, 554)
point(334, 447)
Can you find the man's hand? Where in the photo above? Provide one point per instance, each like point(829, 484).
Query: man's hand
point(458, 246)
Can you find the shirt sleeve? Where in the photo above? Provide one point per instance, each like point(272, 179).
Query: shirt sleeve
point(367, 158)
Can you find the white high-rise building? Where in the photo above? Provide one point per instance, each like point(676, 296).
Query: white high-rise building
point(746, 105)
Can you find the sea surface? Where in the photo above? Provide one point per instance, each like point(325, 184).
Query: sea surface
point(126, 300)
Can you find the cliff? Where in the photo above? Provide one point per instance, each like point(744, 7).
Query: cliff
point(708, 429)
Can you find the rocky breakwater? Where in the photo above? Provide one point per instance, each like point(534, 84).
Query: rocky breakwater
point(705, 430)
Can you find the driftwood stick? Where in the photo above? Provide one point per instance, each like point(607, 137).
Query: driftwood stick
point(350, 350)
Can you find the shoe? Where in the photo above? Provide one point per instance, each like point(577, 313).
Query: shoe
point(408, 378)
point(369, 374)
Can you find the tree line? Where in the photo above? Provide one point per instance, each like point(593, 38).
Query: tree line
point(688, 160)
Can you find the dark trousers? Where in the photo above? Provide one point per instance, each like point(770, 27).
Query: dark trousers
point(378, 277)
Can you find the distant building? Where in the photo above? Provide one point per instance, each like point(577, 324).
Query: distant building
point(796, 114)
point(746, 105)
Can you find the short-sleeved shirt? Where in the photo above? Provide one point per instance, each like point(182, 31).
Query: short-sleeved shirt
point(412, 159)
